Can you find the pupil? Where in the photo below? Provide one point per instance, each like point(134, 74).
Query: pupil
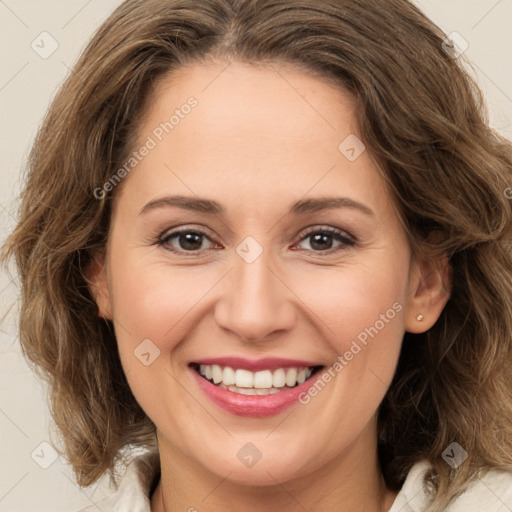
point(190, 241)
point(320, 239)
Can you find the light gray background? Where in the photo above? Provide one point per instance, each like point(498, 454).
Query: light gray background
point(27, 85)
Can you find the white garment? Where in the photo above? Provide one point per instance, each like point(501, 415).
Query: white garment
point(491, 493)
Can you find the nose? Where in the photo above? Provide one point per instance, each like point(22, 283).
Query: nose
point(255, 303)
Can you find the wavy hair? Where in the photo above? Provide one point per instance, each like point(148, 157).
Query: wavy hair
point(422, 117)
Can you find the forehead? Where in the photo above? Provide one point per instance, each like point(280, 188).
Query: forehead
point(262, 129)
point(251, 100)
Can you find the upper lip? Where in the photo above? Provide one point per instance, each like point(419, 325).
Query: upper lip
point(254, 365)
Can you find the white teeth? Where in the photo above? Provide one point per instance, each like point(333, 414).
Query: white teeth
point(243, 378)
point(263, 379)
point(255, 383)
point(291, 377)
point(251, 391)
point(206, 370)
point(301, 376)
point(278, 379)
point(216, 374)
point(228, 376)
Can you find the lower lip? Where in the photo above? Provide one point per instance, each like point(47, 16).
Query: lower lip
point(253, 406)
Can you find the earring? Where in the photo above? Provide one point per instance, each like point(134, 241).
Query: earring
point(420, 318)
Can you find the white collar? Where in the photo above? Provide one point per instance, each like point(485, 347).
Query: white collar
point(492, 492)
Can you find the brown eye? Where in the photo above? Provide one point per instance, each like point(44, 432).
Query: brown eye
point(185, 241)
point(327, 239)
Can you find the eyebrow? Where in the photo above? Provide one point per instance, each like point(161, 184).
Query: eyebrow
point(211, 207)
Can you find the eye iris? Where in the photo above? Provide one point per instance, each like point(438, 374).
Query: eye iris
point(190, 241)
point(321, 241)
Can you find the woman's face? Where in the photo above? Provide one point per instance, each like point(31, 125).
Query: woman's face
point(283, 251)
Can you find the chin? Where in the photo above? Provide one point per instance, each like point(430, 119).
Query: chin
point(270, 472)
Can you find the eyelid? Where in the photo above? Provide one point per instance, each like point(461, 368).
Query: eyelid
point(182, 229)
point(319, 228)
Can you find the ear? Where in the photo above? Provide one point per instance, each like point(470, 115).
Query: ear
point(97, 282)
point(430, 286)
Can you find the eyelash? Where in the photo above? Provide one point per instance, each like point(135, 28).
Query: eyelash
point(339, 235)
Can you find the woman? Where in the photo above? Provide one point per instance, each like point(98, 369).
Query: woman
point(270, 243)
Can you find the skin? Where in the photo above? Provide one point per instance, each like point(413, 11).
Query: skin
point(260, 139)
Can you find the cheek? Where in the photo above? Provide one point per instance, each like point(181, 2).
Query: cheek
point(152, 305)
point(349, 301)
point(360, 311)
point(153, 300)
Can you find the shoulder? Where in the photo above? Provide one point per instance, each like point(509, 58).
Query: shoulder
point(133, 493)
point(489, 492)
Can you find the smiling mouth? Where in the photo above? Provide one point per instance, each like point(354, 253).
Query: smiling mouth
point(246, 382)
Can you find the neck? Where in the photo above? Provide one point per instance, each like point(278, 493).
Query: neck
point(351, 482)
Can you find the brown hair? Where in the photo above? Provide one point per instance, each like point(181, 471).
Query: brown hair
point(422, 118)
